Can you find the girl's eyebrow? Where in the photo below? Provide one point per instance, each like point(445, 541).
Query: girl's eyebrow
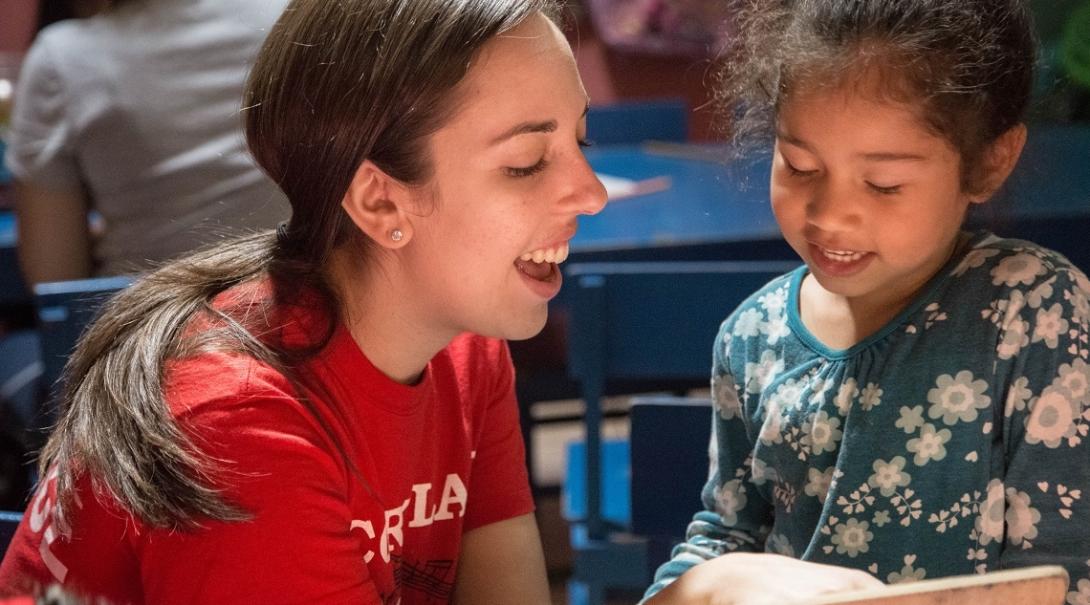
point(792, 140)
point(891, 156)
point(870, 156)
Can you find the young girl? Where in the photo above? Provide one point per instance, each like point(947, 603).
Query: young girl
point(305, 417)
point(914, 401)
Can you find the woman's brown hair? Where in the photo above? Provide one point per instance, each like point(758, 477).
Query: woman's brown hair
point(335, 84)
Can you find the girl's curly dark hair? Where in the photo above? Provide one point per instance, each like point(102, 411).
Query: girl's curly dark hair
point(967, 64)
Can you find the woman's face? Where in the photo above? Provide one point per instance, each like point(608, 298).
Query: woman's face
point(509, 182)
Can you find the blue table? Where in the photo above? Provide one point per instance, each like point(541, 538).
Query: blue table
point(711, 210)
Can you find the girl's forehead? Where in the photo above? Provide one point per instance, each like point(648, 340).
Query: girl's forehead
point(852, 119)
point(874, 89)
point(867, 78)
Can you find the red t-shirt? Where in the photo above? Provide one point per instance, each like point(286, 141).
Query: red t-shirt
point(429, 462)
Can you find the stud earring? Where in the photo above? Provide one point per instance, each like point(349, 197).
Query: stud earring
point(396, 235)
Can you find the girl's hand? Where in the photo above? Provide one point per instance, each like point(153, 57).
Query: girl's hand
point(759, 579)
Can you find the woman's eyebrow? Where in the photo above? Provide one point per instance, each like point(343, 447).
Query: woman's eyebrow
point(544, 126)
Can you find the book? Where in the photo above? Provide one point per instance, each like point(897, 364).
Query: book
point(1038, 585)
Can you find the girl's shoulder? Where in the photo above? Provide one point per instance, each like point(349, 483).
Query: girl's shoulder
point(996, 266)
point(768, 302)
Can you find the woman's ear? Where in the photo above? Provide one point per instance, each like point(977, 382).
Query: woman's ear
point(376, 203)
point(999, 160)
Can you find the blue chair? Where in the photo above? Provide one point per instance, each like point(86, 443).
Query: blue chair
point(651, 325)
point(633, 122)
point(669, 439)
point(64, 310)
point(9, 522)
point(13, 290)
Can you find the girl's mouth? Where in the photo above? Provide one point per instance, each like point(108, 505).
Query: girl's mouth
point(839, 263)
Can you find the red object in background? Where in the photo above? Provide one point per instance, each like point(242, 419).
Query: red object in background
point(665, 27)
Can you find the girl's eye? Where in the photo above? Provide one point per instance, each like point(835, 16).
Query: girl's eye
point(891, 190)
point(526, 171)
point(796, 172)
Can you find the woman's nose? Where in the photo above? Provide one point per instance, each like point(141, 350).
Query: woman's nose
point(588, 194)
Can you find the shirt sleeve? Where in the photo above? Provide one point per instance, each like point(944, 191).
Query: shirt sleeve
point(499, 484)
point(736, 517)
point(1038, 512)
point(41, 142)
point(280, 466)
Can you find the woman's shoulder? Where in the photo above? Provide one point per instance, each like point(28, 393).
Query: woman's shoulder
point(68, 39)
point(65, 56)
point(212, 381)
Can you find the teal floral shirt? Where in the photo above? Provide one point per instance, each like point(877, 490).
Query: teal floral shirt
point(952, 441)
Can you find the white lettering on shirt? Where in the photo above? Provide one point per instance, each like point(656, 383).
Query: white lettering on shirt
point(454, 493)
point(424, 513)
point(41, 517)
point(392, 530)
point(421, 516)
point(369, 529)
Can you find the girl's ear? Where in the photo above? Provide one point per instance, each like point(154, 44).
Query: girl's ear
point(999, 161)
point(376, 203)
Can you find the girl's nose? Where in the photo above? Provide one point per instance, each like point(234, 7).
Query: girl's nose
point(831, 208)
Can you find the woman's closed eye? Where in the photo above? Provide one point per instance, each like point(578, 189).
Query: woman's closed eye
point(526, 171)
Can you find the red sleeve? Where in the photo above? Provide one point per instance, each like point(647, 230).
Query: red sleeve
point(499, 484)
point(283, 469)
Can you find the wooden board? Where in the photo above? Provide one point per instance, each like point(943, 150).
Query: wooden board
point(1040, 585)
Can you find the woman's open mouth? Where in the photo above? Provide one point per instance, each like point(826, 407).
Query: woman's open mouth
point(540, 271)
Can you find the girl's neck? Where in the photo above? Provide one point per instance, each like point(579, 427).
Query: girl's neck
point(380, 318)
point(841, 322)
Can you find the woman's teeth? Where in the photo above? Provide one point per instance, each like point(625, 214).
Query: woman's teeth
point(558, 254)
point(842, 256)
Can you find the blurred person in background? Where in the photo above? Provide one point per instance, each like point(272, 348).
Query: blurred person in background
point(134, 113)
point(127, 111)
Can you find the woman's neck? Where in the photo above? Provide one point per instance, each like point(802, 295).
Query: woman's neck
point(380, 317)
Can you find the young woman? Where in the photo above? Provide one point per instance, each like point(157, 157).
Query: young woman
point(326, 414)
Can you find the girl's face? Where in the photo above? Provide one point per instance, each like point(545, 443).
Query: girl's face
point(509, 182)
point(865, 194)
